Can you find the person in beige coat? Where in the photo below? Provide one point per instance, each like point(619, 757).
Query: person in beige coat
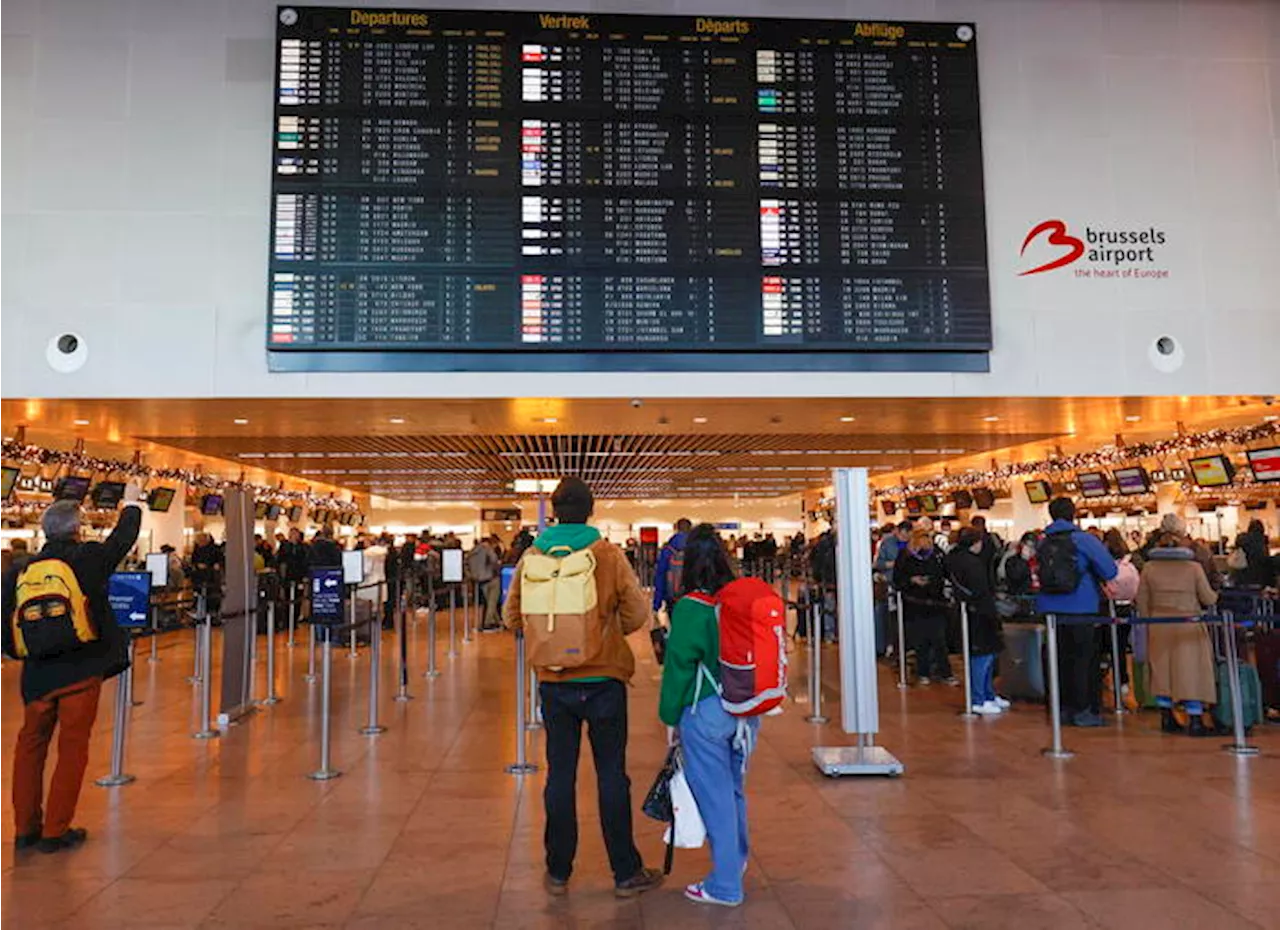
point(1181, 656)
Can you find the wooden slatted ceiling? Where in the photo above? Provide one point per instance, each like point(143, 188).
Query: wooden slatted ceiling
point(473, 466)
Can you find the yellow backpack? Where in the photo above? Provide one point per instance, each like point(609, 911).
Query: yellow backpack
point(53, 613)
point(558, 605)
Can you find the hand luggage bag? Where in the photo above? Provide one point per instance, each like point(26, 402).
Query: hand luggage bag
point(1021, 665)
point(1267, 646)
point(1250, 697)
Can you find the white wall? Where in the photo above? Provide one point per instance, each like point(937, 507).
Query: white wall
point(136, 148)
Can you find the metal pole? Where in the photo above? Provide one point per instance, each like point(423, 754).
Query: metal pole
point(206, 730)
point(466, 611)
point(815, 666)
point(535, 710)
point(1116, 659)
point(375, 676)
point(117, 776)
point(402, 638)
point(201, 613)
point(272, 697)
point(453, 622)
point(351, 619)
point(155, 634)
point(968, 663)
point(1239, 746)
point(432, 671)
point(902, 644)
point(326, 771)
point(311, 653)
point(251, 619)
point(1055, 706)
point(522, 766)
point(133, 669)
point(293, 611)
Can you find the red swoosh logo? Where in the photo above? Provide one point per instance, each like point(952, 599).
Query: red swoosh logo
point(1058, 235)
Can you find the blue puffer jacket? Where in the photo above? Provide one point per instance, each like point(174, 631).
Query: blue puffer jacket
point(1096, 566)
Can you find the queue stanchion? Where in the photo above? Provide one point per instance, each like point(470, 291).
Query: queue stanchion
point(272, 697)
point(293, 612)
point(522, 765)
point(1239, 746)
point(311, 653)
point(373, 728)
point(326, 770)
point(202, 609)
point(902, 644)
point(207, 730)
point(432, 671)
point(1056, 751)
point(453, 622)
point(354, 652)
point(535, 709)
point(124, 697)
point(815, 665)
point(401, 618)
point(969, 700)
point(466, 612)
point(1116, 659)
point(155, 633)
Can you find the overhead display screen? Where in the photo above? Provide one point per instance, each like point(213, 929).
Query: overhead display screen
point(454, 189)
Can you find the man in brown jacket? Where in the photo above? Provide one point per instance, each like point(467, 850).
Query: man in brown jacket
point(594, 692)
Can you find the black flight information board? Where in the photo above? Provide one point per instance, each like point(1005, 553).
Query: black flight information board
point(485, 190)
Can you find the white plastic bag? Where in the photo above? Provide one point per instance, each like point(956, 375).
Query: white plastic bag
point(691, 833)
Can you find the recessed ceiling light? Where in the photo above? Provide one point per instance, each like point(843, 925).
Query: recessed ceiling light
point(1132, 418)
point(1270, 418)
point(699, 419)
point(82, 422)
point(397, 419)
point(549, 420)
point(990, 419)
point(847, 419)
point(239, 421)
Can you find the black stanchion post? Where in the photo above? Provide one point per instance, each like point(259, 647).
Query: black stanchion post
point(155, 632)
point(453, 622)
point(432, 671)
point(202, 610)
point(272, 697)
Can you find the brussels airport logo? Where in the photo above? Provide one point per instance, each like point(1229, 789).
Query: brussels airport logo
point(1098, 253)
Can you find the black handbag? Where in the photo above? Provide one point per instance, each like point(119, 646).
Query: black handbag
point(657, 803)
point(658, 636)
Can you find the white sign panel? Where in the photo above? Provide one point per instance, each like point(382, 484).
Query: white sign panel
point(352, 566)
point(451, 565)
point(158, 565)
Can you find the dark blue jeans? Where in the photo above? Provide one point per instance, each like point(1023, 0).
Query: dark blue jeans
point(602, 705)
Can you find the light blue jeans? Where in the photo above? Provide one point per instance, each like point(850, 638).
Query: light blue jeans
point(716, 771)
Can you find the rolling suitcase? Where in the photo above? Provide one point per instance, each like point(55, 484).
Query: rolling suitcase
point(1267, 647)
point(1250, 697)
point(1021, 665)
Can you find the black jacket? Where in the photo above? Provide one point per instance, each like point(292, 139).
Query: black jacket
point(92, 562)
point(974, 587)
point(1261, 570)
point(325, 553)
point(921, 601)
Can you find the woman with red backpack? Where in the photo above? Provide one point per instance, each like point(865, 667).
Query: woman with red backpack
point(713, 698)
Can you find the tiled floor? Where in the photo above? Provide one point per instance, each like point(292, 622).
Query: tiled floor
point(424, 829)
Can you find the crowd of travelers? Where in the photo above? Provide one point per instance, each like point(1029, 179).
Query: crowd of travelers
point(576, 597)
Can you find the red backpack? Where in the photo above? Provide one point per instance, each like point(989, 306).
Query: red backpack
point(753, 654)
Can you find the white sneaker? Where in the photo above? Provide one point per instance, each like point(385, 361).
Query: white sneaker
point(987, 709)
point(923, 680)
point(1003, 703)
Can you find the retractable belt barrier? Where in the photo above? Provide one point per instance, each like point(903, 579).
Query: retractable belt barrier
point(1227, 619)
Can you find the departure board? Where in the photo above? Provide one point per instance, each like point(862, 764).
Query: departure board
point(469, 185)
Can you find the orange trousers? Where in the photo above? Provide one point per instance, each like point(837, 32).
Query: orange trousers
point(72, 710)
